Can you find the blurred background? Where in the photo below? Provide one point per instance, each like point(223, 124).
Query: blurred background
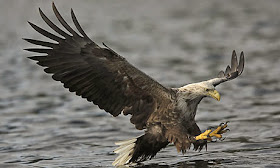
point(176, 42)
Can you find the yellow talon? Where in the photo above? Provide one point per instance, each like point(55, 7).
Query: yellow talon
point(203, 135)
point(217, 132)
point(219, 136)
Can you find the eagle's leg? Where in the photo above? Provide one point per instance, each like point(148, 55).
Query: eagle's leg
point(208, 134)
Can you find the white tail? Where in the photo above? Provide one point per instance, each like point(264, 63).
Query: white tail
point(125, 151)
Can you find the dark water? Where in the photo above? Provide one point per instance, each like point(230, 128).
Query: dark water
point(176, 42)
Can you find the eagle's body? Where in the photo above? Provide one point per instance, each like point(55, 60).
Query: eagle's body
point(105, 78)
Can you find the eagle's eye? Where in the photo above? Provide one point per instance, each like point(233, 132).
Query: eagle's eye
point(207, 90)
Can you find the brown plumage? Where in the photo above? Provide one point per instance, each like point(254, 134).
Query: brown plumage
point(105, 78)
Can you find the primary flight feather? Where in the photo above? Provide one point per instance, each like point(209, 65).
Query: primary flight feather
point(105, 78)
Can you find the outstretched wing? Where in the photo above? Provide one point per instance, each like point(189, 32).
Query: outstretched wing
point(98, 74)
point(232, 71)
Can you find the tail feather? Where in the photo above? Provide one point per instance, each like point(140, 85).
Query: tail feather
point(124, 148)
point(125, 152)
point(138, 149)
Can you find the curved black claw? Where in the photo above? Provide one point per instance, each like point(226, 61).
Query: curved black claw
point(222, 139)
point(199, 144)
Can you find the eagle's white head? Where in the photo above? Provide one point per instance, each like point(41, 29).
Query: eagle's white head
point(199, 90)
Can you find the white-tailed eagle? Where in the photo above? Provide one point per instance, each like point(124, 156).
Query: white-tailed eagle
point(106, 79)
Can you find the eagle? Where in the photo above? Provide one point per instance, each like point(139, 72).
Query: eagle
point(108, 80)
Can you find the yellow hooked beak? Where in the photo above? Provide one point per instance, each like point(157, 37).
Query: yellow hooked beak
point(215, 94)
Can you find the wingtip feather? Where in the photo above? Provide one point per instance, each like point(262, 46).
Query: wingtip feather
point(78, 26)
point(221, 74)
point(241, 63)
point(234, 63)
point(227, 70)
point(53, 5)
point(36, 58)
point(30, 23)
point(32, 58)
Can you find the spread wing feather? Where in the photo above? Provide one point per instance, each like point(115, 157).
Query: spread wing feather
point(232, 71)
point(98, 74)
